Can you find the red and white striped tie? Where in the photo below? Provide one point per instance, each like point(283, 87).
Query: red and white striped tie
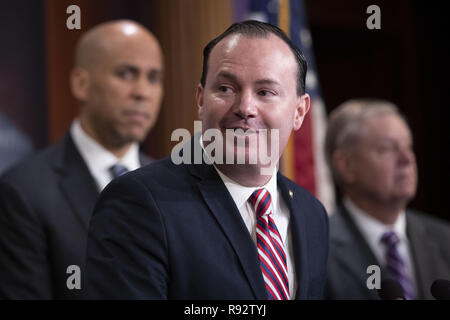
point(272, 256)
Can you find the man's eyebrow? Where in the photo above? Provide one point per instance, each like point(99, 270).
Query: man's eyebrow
point(128, 66)
point(267, 82)
point(155, 71)
point(135, 68)
point(232, 77)
point(227, 75)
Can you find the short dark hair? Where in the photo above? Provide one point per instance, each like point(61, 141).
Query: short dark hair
point(257, 29)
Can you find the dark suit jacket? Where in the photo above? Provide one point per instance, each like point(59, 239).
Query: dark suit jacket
point(350, 255)
point(171, 231)
point(45, 207)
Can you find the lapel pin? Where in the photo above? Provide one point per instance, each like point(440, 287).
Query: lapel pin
point(291, 194)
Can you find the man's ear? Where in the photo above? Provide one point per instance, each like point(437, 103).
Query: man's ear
point(301, 109)
point(79, 83)
point(343, 165)
point(199, 98)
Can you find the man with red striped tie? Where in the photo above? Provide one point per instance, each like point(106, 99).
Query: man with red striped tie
point(219, 225)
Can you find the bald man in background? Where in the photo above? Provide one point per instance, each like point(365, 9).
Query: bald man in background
point(46, 202)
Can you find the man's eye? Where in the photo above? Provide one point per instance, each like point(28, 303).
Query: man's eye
point(125, 74)
point(265, 93)
point(155, 77)
point(384, 149)
point(224, 89)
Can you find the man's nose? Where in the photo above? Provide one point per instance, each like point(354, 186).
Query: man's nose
point(246, 105)
point(141, 89)
point(406, 155)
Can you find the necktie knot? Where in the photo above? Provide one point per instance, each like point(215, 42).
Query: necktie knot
point(260, 199)
point(117, 170)
point(390, 239)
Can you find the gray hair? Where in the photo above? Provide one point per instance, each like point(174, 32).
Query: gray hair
point(346, 124)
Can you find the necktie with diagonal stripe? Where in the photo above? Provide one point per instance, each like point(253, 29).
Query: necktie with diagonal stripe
point(271, 252)
point(117, 170)
point(395, 265)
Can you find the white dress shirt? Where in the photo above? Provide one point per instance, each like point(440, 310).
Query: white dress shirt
point(373, 231)
point(280, 215)
point(98, 159)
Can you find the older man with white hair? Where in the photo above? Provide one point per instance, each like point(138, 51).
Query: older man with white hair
point(369, 147)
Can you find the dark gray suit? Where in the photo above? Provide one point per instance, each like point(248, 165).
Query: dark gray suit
point(350, 255)
point(45, 206)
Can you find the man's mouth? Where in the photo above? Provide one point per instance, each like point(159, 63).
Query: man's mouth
point(137, 116)
point(242, 131)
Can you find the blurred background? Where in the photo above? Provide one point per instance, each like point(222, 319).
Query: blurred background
point(403, 62)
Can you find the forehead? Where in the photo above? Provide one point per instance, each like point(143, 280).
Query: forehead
point(386, 126)
point(266, 56)
point(143, 53)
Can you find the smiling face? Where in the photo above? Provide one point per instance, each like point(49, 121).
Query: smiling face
point(382, 164)
point(251, 85)
point(121, 92)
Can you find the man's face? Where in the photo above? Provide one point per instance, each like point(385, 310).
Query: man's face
point(251, 84)
point(125, 91)
point(382, 164)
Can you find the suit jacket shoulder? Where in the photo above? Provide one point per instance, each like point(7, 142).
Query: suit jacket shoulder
point(429, 238)
point(45, 206)
point(435, 227)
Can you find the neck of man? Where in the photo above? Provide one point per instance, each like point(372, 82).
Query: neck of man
point(246, 175)
point(387, 212)
point(117, 149)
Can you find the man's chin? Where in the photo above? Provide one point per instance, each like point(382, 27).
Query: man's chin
point(403, 197)
point(134, 133)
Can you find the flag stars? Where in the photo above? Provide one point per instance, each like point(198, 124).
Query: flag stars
point(305, 38)
point(272, 6)
point(311, 80)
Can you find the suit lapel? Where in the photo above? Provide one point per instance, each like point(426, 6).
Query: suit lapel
point(228, 217)
point(425, 254)
point(144, 159)
point(353, 250)
point(221, 204)
point(76, 182)
point(298, 236)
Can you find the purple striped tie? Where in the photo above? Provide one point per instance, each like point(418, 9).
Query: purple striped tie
point(395, 265)
point(117, 170)
point(272, 257)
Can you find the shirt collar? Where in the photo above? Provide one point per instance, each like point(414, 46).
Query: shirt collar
point(240, 193)
point(373, 228)
point(96, 156)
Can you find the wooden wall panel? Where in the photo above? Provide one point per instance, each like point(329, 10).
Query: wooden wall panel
point(183, 27)
point(60, 45)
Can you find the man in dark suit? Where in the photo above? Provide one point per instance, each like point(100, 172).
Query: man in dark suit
point(369, 147)
point(46, 202)
point(223, 230)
